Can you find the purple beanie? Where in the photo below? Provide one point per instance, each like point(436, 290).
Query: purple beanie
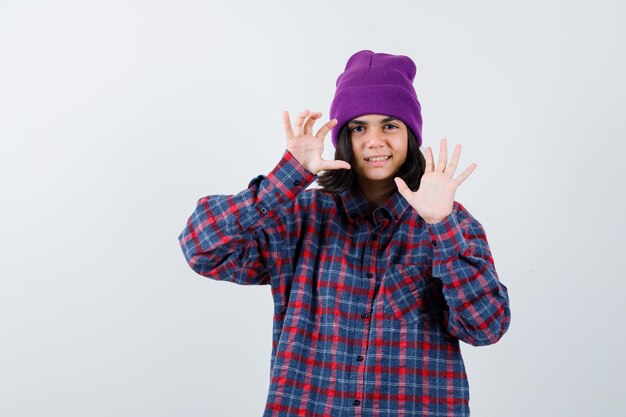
point(376, 83)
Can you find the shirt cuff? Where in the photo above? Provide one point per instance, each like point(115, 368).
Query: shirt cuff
point(290, 177)
point(446, 237)
point(280, 187)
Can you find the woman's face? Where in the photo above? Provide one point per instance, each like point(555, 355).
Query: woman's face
point(376, 135)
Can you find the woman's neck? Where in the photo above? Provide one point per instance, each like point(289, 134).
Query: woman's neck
point(377, 192)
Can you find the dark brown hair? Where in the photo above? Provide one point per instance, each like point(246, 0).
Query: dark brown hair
point(338, 180)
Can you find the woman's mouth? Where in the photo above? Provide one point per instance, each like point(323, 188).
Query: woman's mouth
point(378, 161)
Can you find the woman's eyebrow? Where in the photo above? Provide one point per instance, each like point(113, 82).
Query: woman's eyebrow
point(363, 122)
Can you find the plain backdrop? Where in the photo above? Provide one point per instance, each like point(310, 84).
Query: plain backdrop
point(117, 116)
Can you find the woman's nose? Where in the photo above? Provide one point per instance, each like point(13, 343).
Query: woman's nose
point(375, 138)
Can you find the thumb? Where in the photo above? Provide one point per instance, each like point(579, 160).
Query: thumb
point(403, 188)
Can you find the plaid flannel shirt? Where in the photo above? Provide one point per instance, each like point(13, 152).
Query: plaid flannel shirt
point(369, 305)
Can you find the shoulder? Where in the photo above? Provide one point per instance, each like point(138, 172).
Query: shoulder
point(317, 198)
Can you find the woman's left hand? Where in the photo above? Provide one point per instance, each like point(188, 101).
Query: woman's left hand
point(435, 197)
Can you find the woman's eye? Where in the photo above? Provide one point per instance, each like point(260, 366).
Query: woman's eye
point(354, 128)
point(392, 126)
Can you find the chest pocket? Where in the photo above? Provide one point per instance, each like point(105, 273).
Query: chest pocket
point(411, 294)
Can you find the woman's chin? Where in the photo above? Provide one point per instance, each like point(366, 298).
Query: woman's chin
point(382, 178)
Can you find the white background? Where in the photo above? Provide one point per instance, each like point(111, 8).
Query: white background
point(117, 116)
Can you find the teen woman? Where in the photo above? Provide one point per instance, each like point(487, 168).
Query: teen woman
point(376, 275)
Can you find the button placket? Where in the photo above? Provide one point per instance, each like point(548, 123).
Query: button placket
point(370, 265)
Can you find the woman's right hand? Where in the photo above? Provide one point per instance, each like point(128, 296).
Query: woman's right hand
point(306, 147)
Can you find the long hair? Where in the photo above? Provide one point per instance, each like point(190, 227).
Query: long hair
point(338, 180)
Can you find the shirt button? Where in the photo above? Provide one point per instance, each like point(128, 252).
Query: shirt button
point(434, 242)
point(369, 275)
point(296, 183)
point(356, 402)
point(364, 315)
point(360, 358)
point(263, 210)
point(396, 217)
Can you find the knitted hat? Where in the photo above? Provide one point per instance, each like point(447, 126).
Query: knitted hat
point(377, 83)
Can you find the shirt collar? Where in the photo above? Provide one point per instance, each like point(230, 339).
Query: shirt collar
point(356, 206)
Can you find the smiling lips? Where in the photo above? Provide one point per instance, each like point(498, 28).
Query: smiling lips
point(378, 158)
point(378, 161)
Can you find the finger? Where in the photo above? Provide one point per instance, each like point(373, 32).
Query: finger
point(443, 155)
point(403, 189)
point(300, 121)
point(336, 164)
point(465, 174)
point(308, 125)
point(429, 159)
point(326, 128)
point(287, 125)
point(454, 162)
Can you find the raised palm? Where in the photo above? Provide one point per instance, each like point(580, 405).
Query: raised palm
point(434, 199)
point(306, 147)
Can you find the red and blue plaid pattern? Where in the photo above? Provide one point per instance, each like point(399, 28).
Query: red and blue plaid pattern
point(369, 306)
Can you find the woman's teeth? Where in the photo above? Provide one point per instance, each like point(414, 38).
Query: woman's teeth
point(380, 158)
